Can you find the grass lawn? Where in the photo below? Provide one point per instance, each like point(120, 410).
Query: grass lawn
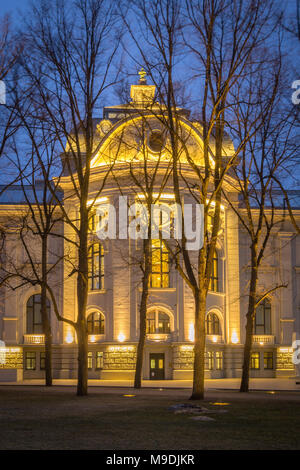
point(40, 418)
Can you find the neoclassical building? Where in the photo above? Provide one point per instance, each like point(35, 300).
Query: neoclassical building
point(126, 135)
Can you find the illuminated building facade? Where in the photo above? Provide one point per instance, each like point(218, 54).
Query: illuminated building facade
point(127, 135)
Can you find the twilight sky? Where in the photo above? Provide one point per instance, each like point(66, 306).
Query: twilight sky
point(11, 6)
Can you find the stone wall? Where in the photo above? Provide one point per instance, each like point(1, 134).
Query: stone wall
point(11, 358)
point(119, 357)
point(284, 360)
point(183, 358)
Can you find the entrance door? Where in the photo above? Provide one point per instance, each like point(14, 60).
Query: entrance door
point(157, 366)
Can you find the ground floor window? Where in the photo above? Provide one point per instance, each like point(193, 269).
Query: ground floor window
point(90, 360)
point(30, 360)
point(268, 360)
point(42, 360)
point(254, 360)
point(213, 360)
point(209, 360)
point(99, 360)
point(219, 360)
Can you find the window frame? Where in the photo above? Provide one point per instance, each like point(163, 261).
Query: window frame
point(30, 359)
point(155, 312)
point(94, 322)
point(214, 276)
point(99, 357)
point(96, 255)
point(34, 327)
point(255, 360)
point(43, 360)
point(211, 323)
point(267, 359)
point(159, 276)
point(267, 309)
point(151, 323)
point(165, 321)
point(90, 360)
point(219, 360)
point(209, 359)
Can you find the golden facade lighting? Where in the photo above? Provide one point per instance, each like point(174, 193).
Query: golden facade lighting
point(192, 332)
point(100, 200)
point(234, 337)
point(121, 337)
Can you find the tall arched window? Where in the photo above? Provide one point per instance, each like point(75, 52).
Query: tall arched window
point(213, 324)
point(214, 279)
point(262, 320)
point(160, 264)
point(96, 323)
point(34, 324)
point(96, 266)
point(158, 322)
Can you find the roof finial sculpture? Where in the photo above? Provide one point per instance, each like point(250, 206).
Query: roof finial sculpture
point(142, 74)
point(142, 95)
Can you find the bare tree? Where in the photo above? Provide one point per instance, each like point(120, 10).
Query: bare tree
point(261, 165)
point(10, 51)
point(72, 47)
point(147, 176)
point(40, 221)
point(290, 18)
point(220, 36)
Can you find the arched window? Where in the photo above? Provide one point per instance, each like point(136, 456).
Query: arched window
point(160, 264)
point(34, 324)
point(214, 279)
point(158, 322)
point(163, 323)
point(262, 320)
point(95, 323)
point(96, 266)
point(213, 324)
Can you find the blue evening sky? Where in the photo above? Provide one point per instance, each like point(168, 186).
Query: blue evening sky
point(12, 6)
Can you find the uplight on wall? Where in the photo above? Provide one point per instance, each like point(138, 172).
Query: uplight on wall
point(121, 338)
point(92, 338)
point(187, 347)
point(69, 337)
point(192, 332)
point(234, 337)
point(121, 348)
point(100, 200)
point(156, 195)
point(215, 339)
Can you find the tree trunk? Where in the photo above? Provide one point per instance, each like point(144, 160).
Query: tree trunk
point(141, 343)
point(48, 356)
point(244, 387)
point(199, 348)
point(45, 317)
point(143, 314)
point(82, 293)
point(82, 379)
